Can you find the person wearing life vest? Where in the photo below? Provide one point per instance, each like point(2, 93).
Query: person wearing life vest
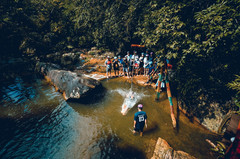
point(108, 64)
point(140, 120)
point(116, 66)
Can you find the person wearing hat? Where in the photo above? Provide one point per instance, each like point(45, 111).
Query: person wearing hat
point(108, 64)
point(140, 120)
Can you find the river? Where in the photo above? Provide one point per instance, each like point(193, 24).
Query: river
point(36, 122)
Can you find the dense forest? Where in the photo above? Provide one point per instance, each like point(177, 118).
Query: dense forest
point(200, 37)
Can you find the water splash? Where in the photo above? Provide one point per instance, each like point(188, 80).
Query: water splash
point(130, 99)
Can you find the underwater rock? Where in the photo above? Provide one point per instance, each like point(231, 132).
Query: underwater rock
point(72, 86)
point(164, 151)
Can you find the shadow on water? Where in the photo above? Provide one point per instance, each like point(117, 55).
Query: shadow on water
point(41, 135)
point(110, 147)
point(152, 128)
point(128, 152)
point(7, 127)
point(91, 97)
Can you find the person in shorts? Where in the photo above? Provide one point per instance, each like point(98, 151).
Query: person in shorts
point(136, 66)
point(130, 68)
point(116, 66)
point(108, 64)
point(125, 66)
point(140, 120)
point(120, 60)
point(146, 64)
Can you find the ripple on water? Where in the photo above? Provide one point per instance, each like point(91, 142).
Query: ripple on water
point(62, 133)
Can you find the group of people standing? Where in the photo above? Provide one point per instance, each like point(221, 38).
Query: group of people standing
point(131, 64)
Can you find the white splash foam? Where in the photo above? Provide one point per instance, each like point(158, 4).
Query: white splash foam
point(131, 99)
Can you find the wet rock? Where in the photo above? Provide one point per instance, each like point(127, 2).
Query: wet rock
point(211, 115)
point(72, 86)
point(213, 122)
point(164, 151)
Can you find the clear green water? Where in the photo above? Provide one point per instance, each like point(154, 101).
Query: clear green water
point(37, 123)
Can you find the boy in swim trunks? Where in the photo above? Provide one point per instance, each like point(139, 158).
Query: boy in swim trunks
point(140, 120)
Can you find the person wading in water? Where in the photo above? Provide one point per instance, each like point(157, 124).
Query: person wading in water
point(140, 120)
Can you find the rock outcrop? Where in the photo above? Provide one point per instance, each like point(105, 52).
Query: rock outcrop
point(72, 86)
point(164, 151)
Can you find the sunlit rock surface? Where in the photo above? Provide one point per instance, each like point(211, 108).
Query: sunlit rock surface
point(72, 86)
point(164, 151)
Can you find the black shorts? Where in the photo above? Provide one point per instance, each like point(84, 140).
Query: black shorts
point(130, 69)
point(116, 68)
point(139, 128)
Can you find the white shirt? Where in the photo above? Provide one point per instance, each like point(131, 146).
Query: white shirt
point(145, 62)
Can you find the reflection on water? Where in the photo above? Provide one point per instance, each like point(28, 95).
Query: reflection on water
point(16, 92)
point(36, 122)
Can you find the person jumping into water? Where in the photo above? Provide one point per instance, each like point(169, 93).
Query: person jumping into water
point(140, 120)
point(130, 95)
point(125, 108)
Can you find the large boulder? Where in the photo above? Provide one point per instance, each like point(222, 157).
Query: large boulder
point(164, 151)
point(72, 86)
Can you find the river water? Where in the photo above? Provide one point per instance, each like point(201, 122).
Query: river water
point(36, 122)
